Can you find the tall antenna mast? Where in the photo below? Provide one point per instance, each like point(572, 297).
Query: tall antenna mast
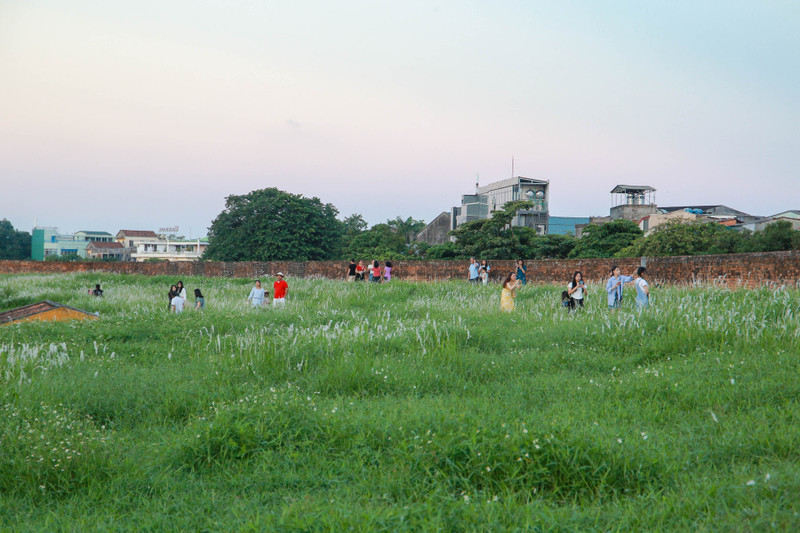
point(512, 166)
point(477, 182)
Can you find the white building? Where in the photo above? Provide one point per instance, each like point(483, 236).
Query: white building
point(494, 196)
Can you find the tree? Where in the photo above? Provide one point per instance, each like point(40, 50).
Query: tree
point(777, 236)
point(678, 238)
point(14, 244)
point(408, 228)
point(494, 238)
point(380, 242)
point(605, 240)
point(273, 225)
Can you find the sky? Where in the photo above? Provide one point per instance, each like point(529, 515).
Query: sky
point(148, 114)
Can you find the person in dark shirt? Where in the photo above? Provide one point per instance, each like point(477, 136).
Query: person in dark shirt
point(97, 290)
point(351, 271)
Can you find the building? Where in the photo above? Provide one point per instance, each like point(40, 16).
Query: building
point(131, 238)
point(718, 211)
point(494, 196)
point(566, 225)
point(145, 244)
point(44, 311)
point(792, 216)
point(108, 250)
point(437, 231)
point(632, 202)
point(48, 241)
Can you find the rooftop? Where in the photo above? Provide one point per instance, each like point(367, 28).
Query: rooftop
point(34, 309)
point(136, 233)
point(627, 189)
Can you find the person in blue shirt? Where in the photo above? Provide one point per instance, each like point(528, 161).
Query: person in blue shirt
point(614, 287)
point(522, 271)
point(474, 271)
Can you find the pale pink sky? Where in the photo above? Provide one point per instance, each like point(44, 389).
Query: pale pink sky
point(147, 114)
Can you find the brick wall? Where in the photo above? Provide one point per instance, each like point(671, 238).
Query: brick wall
point(733, 270)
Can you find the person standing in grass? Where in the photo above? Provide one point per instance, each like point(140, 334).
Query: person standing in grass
point(173, 291)
point(614, 287)
point(351, 271)
point(375, 273)
point(360, 271)
point(576, 290)
point(522, 272)
point(257, 294)
point(509, 292)
point(97, 290)
point(387, 271)
point(177, 304)
point(484, 272)
point(181, 291)
point(199, 301)
point(642, 290)
point(280, 290)
point(474, 271)
point(371, 269)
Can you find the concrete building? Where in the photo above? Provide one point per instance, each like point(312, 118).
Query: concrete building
point(48, 241)
point(437, 231)
point(494, 196)
point(632, 202)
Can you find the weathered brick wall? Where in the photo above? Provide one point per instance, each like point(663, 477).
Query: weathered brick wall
point(733, 270)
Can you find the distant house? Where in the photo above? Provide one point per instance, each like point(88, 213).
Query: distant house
point(131, 238)
point(108, 250)
point(146, 245)
point(791, 216)
point(44, 311)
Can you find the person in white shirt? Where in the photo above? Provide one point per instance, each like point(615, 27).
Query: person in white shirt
point(257, 295)
point(576, 290)
point(181, 291)
point(642, 289)
point(177, 304)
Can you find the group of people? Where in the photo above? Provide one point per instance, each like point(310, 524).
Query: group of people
point(479, 271)
point(376, 273)
point(573, 298)
point(259, 296)
point(177, 298)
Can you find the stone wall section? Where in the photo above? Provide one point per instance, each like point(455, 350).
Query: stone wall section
point(732, 270)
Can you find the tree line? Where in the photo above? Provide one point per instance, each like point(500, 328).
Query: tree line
point(270, 224)
point(273, 225)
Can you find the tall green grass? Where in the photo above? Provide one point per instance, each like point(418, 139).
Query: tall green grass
point(398, 407)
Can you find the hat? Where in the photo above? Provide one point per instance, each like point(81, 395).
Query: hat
point(279, 274)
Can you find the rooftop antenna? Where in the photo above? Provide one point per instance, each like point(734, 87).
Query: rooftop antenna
point(512, 165)
point(477, 182)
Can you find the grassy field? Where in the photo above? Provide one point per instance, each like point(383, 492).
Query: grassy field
point(401, 407)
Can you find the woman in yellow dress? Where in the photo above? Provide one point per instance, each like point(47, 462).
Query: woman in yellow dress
point(510, 286)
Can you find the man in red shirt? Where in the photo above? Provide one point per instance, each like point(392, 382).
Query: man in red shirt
point(281, 290)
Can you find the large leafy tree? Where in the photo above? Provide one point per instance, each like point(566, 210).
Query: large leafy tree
point(14, 244)
point(605, 240)
point(273, 225)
